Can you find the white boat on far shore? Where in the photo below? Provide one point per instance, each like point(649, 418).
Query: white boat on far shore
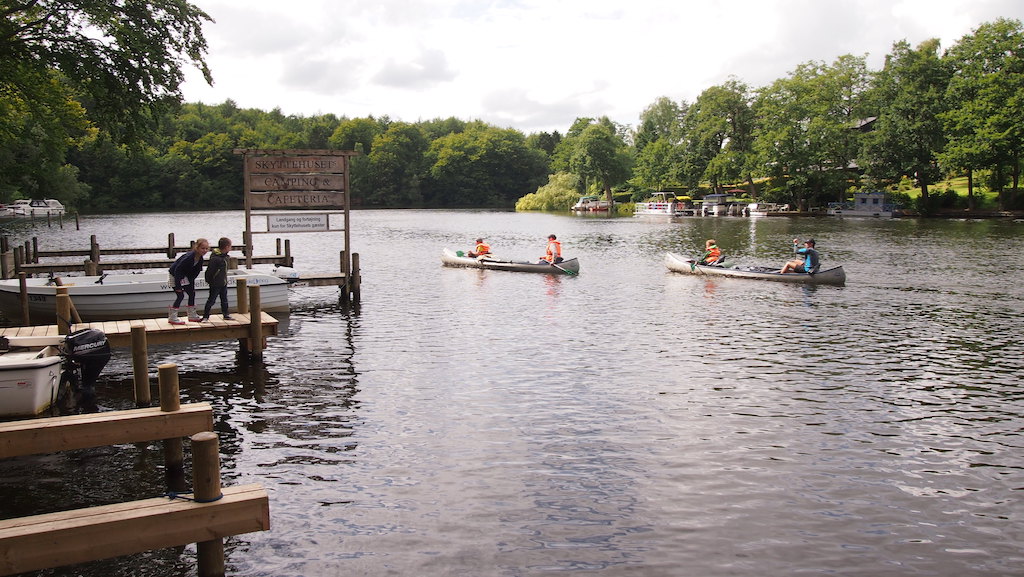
point(662, 204)
point(25, 208)
point(130, 296)
point(591, 203)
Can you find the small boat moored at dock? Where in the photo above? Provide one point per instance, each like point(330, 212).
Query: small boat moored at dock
point(662, 204)
point(29, 377)
point(25, 208)
point(591, 204)
point(129, 296)
point(832, 276)
point(570, 266)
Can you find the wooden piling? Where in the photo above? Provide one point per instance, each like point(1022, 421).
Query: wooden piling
point(355, 279)
point(242, 296)
point(63, 290)
point(170, 245)
point(255, 326)
point(23, 293)
point(94, 249)
point(174, 457)
point(206, 488)
point(63, 312)
point(140, 366)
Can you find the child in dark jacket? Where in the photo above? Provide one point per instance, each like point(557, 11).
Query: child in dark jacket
point(217, 278)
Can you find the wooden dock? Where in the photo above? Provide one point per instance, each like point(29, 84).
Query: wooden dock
point(159, 331)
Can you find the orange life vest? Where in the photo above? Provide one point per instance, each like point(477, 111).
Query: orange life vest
point(482, 248)
point(713, 254)
point(554, 250)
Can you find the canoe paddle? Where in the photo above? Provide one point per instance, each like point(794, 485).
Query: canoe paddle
point(565, 270)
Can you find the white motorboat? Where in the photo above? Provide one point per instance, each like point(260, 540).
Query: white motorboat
point(591, 204)
point(662, 204)
point(25, 208)
point(130, 296)
point(30, 370)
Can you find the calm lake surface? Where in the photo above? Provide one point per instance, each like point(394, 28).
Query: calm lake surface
point(628, 421)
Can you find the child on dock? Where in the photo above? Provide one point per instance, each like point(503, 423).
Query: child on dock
point(217, 278)
point(183, 276)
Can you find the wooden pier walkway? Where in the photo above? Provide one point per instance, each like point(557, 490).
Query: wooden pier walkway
point(159, 331)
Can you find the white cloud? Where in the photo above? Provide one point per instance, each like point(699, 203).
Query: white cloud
point(539, 64)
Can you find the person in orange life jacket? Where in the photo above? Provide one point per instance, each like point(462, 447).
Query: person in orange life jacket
point(553, 254)
point(711, 252)
point(482, 249)
point(809, 262)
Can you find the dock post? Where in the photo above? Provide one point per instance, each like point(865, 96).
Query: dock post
point(140, 366)
point(170, 245)
point(77, 227)
point(255, 324)
point(6, 264)
point(63, 311)
point(90, 268)
point(241, 296)
point(35, 246)
point(23, 287)
point(206, 488)
point(356, 279)
point(288, 260)
point(18, 255)
point(346, 276)
point(94, 249)
point(174, 455)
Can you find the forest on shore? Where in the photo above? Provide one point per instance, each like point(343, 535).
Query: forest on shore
point(78, 126)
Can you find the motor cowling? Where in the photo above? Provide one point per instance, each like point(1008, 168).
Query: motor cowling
point(90, 349)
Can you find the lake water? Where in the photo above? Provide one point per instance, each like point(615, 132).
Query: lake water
point(627, 421)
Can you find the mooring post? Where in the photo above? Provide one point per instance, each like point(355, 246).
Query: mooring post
point(170, 245)
point(63, 311)
point(94, 249)
point(90, 268)
point(288, 260)
point(206, 488)
point(6, 264)
point(77, 227)
point(23, 288)
point(356, 278)
point(241, 296)
point(140, 366)
point(346, 278)
point(35, 247)
point(18, 255)
point(174, 456)
point(255, 324)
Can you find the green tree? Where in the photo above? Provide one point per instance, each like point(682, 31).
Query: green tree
point(985, 99)
point(124, 58)
point(396, 166)
point(482, 166)
point(804, 136)
point(662, 120)
point(907, 135)
point(558, 194)
point(719, 136)
point(656, 165)
point(598, 154)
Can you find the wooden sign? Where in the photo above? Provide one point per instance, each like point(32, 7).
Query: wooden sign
point(309, 182)
point(297, 199)
point(295, 164)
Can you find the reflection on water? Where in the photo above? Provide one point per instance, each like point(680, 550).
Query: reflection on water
point(625, 421)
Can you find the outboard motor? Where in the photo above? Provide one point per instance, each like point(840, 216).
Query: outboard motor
point(85, 352)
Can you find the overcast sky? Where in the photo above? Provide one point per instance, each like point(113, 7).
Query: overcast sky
point(537, 65)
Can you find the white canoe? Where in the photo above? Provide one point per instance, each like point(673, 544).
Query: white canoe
point(451, 258)
point(130, 296)
point(832, 276)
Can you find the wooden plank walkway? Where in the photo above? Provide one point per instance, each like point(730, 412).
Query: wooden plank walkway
point(159, 331)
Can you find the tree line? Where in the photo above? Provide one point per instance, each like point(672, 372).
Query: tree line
point(96, 121)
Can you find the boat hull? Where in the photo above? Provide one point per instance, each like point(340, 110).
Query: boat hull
point(832, 276)
point(29, 379)
point(450, 258)
point(130, 296)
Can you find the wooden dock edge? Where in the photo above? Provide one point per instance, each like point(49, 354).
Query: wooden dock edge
point(81, 535)
point(53, 434)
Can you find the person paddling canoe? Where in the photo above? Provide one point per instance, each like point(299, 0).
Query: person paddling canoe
point(810, 261)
